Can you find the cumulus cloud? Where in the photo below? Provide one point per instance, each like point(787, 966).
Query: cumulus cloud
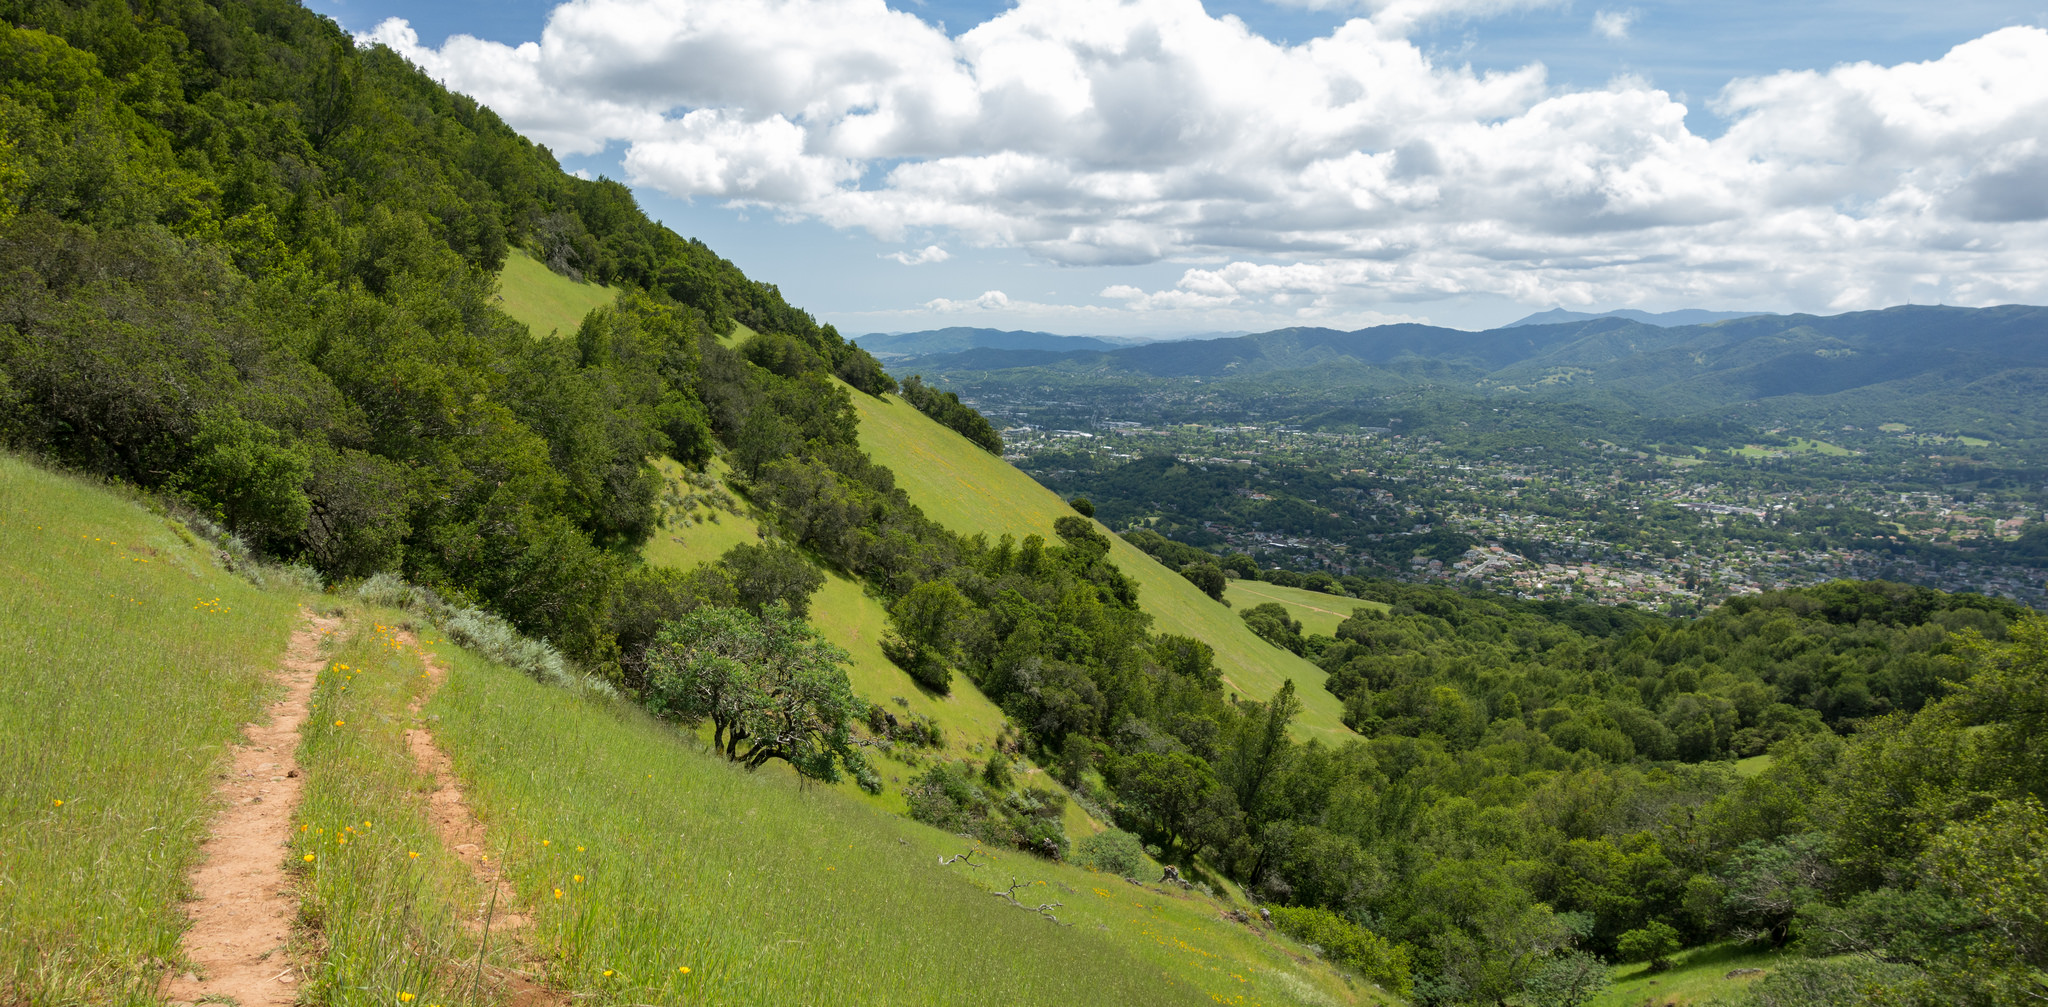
point(922, 256)
point(1613, 24)
point(990, 300)
point(1347, 170)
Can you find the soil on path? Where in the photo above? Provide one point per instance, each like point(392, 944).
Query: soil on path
point(244, 907)
point(463, 834)
point(460, 830)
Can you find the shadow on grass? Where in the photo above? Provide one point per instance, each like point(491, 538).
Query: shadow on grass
point(1732, 953)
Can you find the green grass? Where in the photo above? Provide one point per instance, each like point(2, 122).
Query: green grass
point(1696, 975)
point(848, 616)
point(546, 301)
point(969, 490)
point(127, 680)
point(1753, 765)
point(388, 922)
point(128, 663)
point(1317, 612)
point(769, 891)
point(1797, 445)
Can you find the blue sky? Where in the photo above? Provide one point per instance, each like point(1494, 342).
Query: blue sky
point(1184, 238)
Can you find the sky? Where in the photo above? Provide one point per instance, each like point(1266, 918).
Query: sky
point(1166, 167)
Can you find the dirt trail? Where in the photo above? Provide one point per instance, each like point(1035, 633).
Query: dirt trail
point(463, 834)
point(242, 916)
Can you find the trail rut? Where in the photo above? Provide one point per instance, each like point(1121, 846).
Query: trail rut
point(462, 833)
point(244, 906)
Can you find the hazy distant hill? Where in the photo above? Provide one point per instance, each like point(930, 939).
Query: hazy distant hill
point(1683, 316)
point(898, 345)
point(1915, 359)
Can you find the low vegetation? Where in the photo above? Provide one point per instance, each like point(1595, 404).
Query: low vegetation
point(130, 661)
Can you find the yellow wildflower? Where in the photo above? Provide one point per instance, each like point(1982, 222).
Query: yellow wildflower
point(307, 858)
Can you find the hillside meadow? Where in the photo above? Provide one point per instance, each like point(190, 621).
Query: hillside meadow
point(132, 660)
point(971, 492)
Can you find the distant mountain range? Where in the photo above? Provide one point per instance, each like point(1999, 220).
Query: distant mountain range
point(904, 345)
point(1683, 316)
point(1952, 362)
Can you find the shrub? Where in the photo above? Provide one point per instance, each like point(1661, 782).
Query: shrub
point(923, 665)
point(1114, 851)
point(1349, 945)
point(951, 796)
point(1207, 576)
point(1654, 943)
point(1816, 983)
point(1569, 979)
point(1271, 622)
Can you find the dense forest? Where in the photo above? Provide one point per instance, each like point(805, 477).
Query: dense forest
point(248, 266)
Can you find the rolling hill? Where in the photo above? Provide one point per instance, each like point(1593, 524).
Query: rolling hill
point(897, 345)
point(1932, 366)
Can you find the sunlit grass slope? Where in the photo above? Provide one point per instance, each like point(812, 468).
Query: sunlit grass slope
point(655, 872)
point(546, 301)
point(1317, 612)
point(846, 614)
point(128, 663)
point(659, 874)
point(969, 490)
point(1696, 976)
point(387, 900)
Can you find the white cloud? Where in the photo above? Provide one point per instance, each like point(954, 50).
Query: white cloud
point(1613, 24)
point(990, 300)
point(922, 256)
point(1402, 16)
point(1348, 170)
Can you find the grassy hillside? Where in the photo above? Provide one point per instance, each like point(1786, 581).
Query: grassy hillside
point(969, 490)
point(771, 892)
point(546, 301)
point(1696, 976)
point(845, 613)
point(1317, 612)
point(651, 871)
point(128, 663)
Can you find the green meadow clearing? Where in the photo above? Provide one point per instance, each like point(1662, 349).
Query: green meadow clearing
point(1797, 445)
point(1317, 612)
point(1696, 975)
point(969, 490)
point(546, 301)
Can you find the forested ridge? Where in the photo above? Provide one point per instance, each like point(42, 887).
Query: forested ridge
point(249, 266)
